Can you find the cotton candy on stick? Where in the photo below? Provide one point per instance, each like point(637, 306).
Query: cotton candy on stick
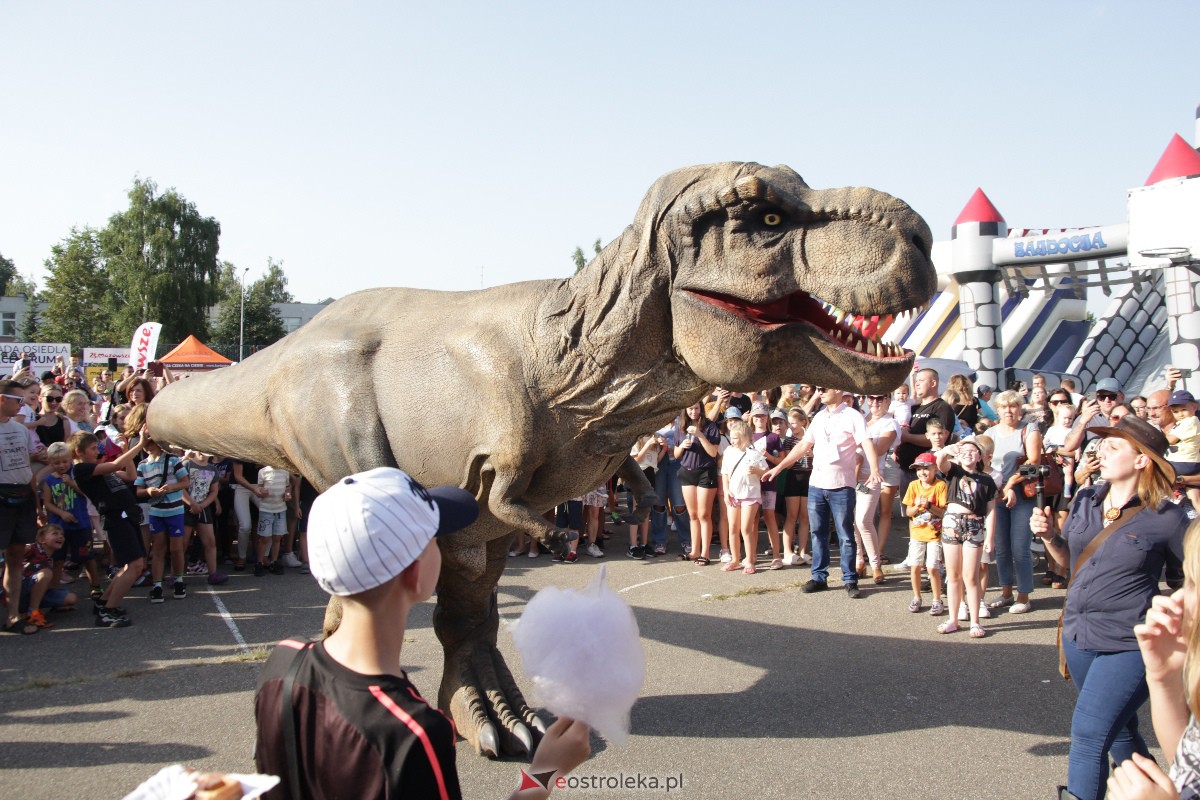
point(582, 650)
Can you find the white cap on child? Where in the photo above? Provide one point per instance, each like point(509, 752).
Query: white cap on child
point(367, 528)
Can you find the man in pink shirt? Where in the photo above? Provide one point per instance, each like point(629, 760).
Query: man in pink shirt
point(836, 433)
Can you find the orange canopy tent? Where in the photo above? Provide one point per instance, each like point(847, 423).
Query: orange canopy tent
point(192, 355)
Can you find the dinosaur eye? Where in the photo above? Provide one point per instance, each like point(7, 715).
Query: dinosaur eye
point(772, 219)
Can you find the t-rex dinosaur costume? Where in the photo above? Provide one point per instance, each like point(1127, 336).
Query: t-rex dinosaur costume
point(528, 394)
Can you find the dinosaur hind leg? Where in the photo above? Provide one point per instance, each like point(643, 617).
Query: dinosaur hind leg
point(478, 690)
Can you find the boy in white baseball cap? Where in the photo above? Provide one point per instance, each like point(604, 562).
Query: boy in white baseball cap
point(355, 719)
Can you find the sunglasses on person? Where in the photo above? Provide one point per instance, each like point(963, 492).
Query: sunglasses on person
point(877, 398)
point(54, 398)
point(1058, 402)
point(13, 397)
point(1106, 396)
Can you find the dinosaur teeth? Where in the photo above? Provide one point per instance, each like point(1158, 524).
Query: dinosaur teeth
point(859, 346)
point(872, 348)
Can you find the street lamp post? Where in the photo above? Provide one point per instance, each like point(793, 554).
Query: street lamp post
point(242, 319)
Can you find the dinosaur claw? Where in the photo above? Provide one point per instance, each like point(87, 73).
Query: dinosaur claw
point(488, 742)
point(538, 724)
point(523, 735)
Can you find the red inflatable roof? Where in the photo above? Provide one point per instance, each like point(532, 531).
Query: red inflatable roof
point(1179, 160)
point(979, 209)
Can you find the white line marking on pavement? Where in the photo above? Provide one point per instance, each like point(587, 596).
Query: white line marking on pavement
point(233, 628)
point(656, 580)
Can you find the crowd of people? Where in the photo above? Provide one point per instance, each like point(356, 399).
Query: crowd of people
point(810, 465)
point(90, 496)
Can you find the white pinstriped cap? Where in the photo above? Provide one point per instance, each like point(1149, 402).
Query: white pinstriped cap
point(367, 528)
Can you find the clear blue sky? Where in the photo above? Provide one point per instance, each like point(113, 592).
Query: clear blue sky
point(442, 145)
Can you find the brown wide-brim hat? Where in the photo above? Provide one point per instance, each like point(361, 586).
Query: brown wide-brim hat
point(1145, 437)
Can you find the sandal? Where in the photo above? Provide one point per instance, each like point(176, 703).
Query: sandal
point(682, 557)
point(39, 619)
point(732, 566)
point(749, 570)
point(948, 627)
point(776, 564)
point(879, 577)
point(701, 562)
point(1003, 602)
point(977, 632)
point(23, 628)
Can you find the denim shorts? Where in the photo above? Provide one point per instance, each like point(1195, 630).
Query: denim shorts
point(272, 523)
point(964, 530)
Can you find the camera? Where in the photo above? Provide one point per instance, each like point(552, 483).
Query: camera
point(1033, 471)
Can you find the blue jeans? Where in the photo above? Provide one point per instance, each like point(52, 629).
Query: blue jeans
point(1112, 687)
point(1013, 538)
point(840, 504)
point(667, 485)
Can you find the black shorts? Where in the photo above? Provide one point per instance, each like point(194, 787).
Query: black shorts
point(125, 540)
point(205, 517)
point(702, 477)
point(78, 545)
point(797, 484)
point(18, 524)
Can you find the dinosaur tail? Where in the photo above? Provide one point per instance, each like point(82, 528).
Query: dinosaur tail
point(226, 412)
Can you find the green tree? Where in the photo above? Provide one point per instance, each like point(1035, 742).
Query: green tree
point(30, 323)
point(8, 271)
point(22, 285)
point(263, 325)
point(580, 259)
point(76, 280)
point(161, 255)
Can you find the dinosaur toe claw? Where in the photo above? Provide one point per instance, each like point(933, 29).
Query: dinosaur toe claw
point(488, 741)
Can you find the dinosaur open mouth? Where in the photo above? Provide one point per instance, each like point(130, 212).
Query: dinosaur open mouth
point(855, 332)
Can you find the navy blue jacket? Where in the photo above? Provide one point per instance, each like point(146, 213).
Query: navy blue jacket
point(1115, 588)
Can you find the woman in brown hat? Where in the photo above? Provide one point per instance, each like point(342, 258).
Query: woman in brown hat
point(1118, 536)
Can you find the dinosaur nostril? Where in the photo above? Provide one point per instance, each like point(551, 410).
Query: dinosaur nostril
point(919, 243)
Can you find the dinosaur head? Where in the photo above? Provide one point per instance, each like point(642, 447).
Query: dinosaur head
point(774, 282)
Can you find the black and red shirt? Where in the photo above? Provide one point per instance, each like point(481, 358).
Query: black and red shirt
point(361, 736)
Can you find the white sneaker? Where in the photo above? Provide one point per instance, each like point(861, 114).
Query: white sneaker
point(805, 558)
point(964, 613)
point(594, 551)
point(725, 557)
point(289, 560)
point(984, 611)
point(790, 560)
point(533, 550)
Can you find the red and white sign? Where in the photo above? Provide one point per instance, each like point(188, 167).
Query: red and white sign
point(144, 346)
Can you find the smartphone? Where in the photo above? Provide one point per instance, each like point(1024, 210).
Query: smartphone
point(155, 369)
point(24, 363)
point(112, 366)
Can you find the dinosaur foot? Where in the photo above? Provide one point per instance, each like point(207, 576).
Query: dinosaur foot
point(487, 706)
point(557, 540)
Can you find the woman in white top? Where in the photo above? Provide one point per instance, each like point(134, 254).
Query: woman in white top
point(741, 470)
point(883, 431)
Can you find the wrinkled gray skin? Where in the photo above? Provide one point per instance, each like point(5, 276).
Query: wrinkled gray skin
point(532, 393)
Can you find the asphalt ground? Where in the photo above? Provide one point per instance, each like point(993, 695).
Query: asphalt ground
point(751, 688)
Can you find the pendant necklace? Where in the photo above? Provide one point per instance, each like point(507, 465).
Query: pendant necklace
point(1111, 514)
